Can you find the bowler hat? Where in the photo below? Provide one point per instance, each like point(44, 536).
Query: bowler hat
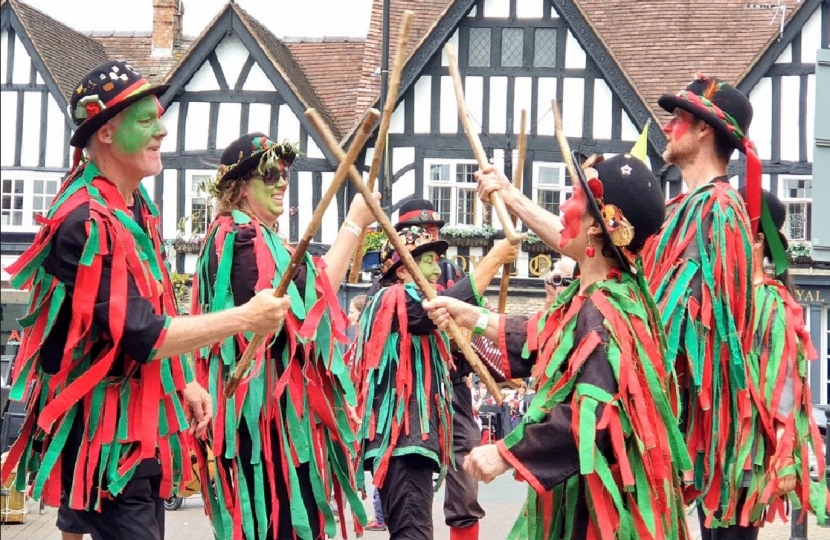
point(777, 213)
point(104, 92)
point(245, 154)
point(417, 241)
point(418, 212)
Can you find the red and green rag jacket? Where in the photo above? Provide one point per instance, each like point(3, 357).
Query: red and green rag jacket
point(699, 269)
point(599, 445)
point(291, 410)
point(100, 408)
point(778, 363)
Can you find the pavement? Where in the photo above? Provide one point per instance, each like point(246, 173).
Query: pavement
point(502, 500)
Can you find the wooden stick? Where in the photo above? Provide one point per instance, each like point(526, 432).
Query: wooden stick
point(406, 258)
point(478, 150)
point(383, 130)
point(517, 181)
point(346, 162)
point(564, 147)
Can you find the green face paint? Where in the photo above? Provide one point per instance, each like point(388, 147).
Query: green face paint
point(266, 202)
point(428, 265)
point(140, 123)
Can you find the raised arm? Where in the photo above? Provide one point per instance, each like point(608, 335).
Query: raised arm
point(340, 254)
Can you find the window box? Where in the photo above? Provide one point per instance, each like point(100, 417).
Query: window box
point(534, 244)
point(467, 241)
point(468, 236)
point(191, 246)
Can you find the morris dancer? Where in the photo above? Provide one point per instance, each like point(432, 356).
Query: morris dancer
point(599, 445)
point(102, 343)
point(700, 271)
point(283, 441)
point(402, 377)
point(783, 429)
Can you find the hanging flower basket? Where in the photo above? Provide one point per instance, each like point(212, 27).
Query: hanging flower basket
point(534, 244)
point(467, 236)
point(192, 246)
point(467, 241)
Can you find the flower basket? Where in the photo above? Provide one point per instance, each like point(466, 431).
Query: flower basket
point(192, 246)
point(802, 259)
point(534, 244)
point(467, 241)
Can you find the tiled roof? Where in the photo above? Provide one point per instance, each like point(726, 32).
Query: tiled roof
point(427, 15)
point(659, 45)
point(288, 67)
point(333, 66)
point(67, 54)
point(136, 48)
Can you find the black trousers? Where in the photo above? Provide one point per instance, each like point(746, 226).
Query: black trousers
point(461, 508)
point(136, 513)
point(406, 497)
point(734, 532)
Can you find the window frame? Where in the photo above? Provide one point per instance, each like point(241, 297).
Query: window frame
point(808, 201)
point(478, 209)
point(28, 177)
point(192, 193)
point(565, 189)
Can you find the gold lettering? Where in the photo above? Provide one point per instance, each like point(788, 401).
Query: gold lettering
point(461, 261)
point(474, 260)
point(810, 296)
point(799, 293)
point(539, 265)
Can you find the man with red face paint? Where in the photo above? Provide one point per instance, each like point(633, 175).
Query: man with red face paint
point(102, 351)
point(700, 271)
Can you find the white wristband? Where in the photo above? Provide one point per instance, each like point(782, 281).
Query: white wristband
point(353, 228)
point(482, 322)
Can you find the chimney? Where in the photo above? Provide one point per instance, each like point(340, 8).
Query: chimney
point(167, 26)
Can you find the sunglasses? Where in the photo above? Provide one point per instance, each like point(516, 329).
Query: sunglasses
point(557, 280)
point(273, 176)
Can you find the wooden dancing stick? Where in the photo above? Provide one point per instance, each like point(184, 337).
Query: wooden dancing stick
point(346, 161)
point(517, 181)
point(564, 147)
point(383, 130)
point(406, 258)
point(478, 150)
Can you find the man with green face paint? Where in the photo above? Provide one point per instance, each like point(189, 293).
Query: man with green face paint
point(110, 392)
point(401, 374)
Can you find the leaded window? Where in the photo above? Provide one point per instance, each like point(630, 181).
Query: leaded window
point(479, 49)
point(512, 47)
point(544, 48)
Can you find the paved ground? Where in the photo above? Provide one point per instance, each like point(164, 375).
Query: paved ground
point(502, 500)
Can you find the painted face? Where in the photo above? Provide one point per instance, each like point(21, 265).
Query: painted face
point(679, 147)
point(571, 212)
point(264, 199)
point(138, 135)
point(428, 264)
point(432, 230)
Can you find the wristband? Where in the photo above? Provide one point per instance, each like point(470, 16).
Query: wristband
point(482, 322)
point(353, 228)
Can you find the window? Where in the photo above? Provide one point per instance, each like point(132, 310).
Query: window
point(796, 192)
point(479, 55)
point(25, 195)
point(544, 48)
point(512, 47)
point(451, 187)
point(201, 206)
point(551, 186)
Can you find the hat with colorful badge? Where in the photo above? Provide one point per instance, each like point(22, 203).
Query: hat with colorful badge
point(627, 200)
point(418, 212)
point(417, 240)
point(253, 151)
point(104, 92)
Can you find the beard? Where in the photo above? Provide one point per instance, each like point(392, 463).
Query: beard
point(679, 154)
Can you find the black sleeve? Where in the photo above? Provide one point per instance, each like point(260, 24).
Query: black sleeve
point(419, 321)
point(548, 452)
point(244, 272)
point(143, 327)
point(513, 338)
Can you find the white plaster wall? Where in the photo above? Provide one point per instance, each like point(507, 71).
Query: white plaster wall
point(231, 54)
point(602, 110)
point(449, 110)
point(786, 56)
point(397, 123)
point(22, 63)
point(811, 116)
point(544, 116)
point(811, 38)
point(259, 119)
point(305, 204)
point(227, 128)
point(30, 147)
point(169, 219)
point(522, 98)
point(171, 122)
point(423, 104)
point(8, 125)
point(761, 129)
point(574, 53)
point(4, 53)
point(474, 98)
point(258, 80)
point(330, 223)
point(55, 125)
point(497, 8)
point(403, 187)
point(196, 126)
point(289, 125)
point(629, 131)
point(790, 91)
point(573, 102)
point(203, 79)
point(312, 150)
point(149, 184)
point(454, 42)
point(498, 105)
point(530, 9)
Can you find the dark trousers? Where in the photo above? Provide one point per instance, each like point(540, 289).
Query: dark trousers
point(734, 532)
point(136, 513)
point(406, 497)
point(461, 508)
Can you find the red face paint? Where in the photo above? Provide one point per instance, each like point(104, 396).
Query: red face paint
point(571, 215)
point(678, 126)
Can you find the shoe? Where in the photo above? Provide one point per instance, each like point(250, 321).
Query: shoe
point(375, 526)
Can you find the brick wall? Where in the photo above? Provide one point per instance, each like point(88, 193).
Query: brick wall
point(167, 25)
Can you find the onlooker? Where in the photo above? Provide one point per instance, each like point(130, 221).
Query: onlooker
point(558, 279)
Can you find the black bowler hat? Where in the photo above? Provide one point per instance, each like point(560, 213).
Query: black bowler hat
point(627, 200)
point(417, 241)
point(104, 92)
point(777, 213)
point(418, 212)
point(727, 110)
point(247, 153)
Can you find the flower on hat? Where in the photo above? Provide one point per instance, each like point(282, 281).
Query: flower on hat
point(89, 106)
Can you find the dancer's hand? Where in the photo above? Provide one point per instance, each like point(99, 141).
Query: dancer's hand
point(199, 408)
point(484, 463)
point(785, 483)
point(443, 308)
point(266, 313)
point(491, 179)
point(505, 251)
point(359, 211)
